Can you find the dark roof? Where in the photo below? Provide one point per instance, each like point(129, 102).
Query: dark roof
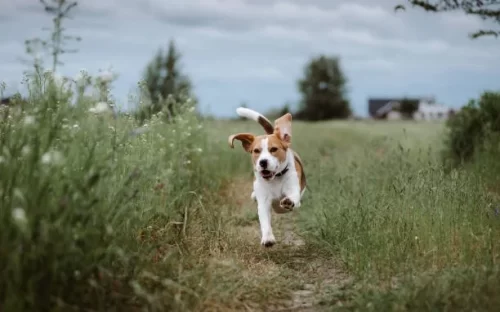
point(12, 100)
point(5, 101)
point(374, 104)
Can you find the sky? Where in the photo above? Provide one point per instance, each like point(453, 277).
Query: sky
point(254, 51)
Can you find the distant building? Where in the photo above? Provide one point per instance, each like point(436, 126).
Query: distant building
point(394, 115)
point(376, 106)
point(389, 109)
point(432, 111)
point(5, 101)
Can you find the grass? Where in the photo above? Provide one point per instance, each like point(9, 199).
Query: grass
point(99, 214)
point(413, 237)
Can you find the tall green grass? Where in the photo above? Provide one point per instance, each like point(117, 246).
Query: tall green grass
point(419, 238)
point(98, 212)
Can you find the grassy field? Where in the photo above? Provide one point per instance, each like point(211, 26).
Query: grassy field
point(98, 214)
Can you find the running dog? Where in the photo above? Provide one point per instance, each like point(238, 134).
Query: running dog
point(279, 181)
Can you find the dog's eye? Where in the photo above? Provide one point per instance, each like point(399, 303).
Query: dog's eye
point(273, 149)
point(256, 151)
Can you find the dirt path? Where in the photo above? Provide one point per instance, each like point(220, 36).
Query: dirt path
point(306, 277)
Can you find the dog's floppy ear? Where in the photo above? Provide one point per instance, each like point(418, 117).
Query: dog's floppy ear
point(283, 128)
point(245, 138)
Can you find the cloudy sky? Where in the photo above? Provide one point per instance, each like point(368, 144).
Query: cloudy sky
point(255, 50)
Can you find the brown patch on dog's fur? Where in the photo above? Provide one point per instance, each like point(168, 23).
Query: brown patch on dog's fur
point(252, 144)
point(299, 167)
point(247, 140)
point(275, 146)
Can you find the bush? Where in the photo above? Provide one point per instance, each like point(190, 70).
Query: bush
point(474, 127)
point(83, 199)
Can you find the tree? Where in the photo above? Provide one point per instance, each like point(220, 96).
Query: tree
point(485, 9)
point(323, 89)
point(163, 78)
point(408, 107)
point(285, 109)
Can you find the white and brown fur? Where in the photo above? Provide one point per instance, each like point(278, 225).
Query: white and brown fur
point(279, 181)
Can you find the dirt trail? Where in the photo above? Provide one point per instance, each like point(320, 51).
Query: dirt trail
point(308, 275)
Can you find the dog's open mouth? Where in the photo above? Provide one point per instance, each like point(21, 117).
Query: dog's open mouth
point(266, 174)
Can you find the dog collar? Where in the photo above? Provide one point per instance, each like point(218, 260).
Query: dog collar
point(282, 172)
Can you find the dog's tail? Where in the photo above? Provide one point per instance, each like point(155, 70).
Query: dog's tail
point(251, 114)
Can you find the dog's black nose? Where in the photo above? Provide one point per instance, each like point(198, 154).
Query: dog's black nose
point(263, 163)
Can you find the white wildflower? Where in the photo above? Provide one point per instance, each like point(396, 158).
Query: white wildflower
point(81, 74)
point(187, 162)
point(99, 108)
point(25, 150)
point(29, 120)
point(200, 126)
point(138, 131)
point(2, 160)
point(38, 56)
point(199, 150)
point(106, 76)
point(58, 79)
point(76, 126)
point(171, 145)
point(109, 229)
point(191, 109)
point(19, 215)
point(52, 157)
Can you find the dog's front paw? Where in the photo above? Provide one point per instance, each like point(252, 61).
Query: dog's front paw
point(268, 240)
point(287, 204)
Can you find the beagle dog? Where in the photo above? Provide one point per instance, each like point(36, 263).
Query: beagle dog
point(279, 181)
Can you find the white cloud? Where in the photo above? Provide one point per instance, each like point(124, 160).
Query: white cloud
point(359, 11)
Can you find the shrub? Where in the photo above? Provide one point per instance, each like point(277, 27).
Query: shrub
point(475, 126)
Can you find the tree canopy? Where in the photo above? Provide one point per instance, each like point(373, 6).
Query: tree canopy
point(323, 90)
point(163, 78)
point(485, 9)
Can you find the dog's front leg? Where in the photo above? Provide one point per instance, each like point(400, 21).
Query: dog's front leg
point(292, 196)
point(264, 211)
